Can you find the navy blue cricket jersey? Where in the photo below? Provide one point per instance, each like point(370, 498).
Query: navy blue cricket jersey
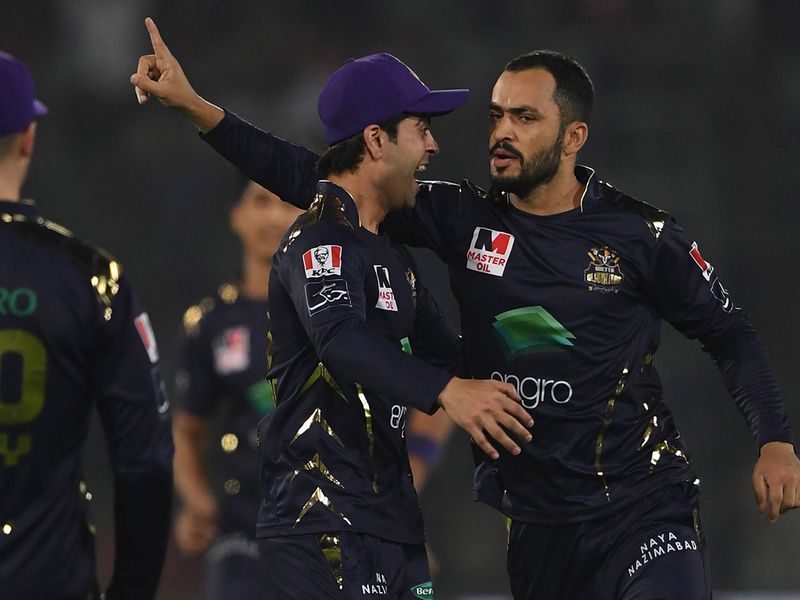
point(344, 304)
point(72, 336)
point(223, 368)
point(568, 309)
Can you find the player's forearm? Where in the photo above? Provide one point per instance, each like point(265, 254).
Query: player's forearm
point(142, 509)
point(202, 114)
point(287, 170)
point(381, 367)
point(752, 383)
point(191, 445)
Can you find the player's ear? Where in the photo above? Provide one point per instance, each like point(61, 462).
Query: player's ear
point(26, 140)
point(373, 141)
point(575, 136)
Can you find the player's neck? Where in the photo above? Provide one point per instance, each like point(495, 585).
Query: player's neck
point(561, 194)
point(366, 197)
point(255, 277)
point(10, 188)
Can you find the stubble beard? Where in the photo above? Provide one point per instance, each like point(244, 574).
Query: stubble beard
point(534, 171)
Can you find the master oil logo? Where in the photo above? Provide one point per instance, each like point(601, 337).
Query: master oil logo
point(386, 299)
point(424, 591)
point(531, 329)
point(603, 273)
point(489, 251)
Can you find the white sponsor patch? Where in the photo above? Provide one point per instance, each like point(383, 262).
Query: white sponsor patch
point(386, 299)
point(324, 294)
point(145, 329)
point(232, 351)
point(322, 261)
point(489, 251)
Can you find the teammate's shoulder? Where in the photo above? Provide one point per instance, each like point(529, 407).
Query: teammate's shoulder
point(101, 269)
point(225, 295)
point(653, 217)
point(327, 215)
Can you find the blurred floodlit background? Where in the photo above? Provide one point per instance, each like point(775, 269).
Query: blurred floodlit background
point(696, 113)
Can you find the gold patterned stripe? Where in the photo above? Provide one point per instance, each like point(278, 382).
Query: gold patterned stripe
point(316, 463)
point(370, 434)
point(331, 548)
point(319, 497)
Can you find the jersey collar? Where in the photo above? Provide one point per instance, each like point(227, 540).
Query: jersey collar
point(328, 188)
point(25, 208)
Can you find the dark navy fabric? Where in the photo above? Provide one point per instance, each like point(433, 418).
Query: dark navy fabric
point(345, 304)
point(223, 370)
point(568, 308)
point(73, 337)
point(360, 567)
point(654, 551)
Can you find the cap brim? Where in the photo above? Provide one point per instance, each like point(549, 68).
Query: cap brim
point(439, 102)
point(39, 109)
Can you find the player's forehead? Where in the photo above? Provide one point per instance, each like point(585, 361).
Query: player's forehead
point(534, 88)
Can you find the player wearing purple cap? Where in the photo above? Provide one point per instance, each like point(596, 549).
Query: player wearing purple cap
point(72, 336)
point(340, 517)
point(563, 282)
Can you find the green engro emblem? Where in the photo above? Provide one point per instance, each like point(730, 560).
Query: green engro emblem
point(423, 590)
point(406, 345)
point(531, 329)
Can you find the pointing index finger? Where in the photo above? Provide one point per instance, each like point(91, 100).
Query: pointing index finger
point(159, 47)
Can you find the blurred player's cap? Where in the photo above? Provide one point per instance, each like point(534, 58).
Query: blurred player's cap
point(371, 89)
point(18, 105)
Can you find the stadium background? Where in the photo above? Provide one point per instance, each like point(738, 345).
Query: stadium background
point(696, 113)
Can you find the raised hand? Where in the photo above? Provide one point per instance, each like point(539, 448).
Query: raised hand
point(486, 407)
point(161, 75)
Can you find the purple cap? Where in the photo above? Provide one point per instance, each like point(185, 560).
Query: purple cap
point(371, 89)
point(18, 106)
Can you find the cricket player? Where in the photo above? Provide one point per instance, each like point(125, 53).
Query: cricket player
point(340, 516)
point(223, 370)
point(72, 338)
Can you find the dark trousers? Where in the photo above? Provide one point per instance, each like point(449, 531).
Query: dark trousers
point(344, 566)
point(654, 550)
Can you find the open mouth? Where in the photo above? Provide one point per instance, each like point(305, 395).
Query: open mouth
point(502, 159)
point(421, 168)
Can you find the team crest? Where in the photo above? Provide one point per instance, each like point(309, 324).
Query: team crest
point(603, 273)
point(322, 261)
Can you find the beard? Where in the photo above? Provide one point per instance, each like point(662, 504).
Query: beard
point(534, 170)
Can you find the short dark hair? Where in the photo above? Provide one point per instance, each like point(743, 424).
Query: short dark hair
point(574, 93)
point(6, 143)
point(345, 156)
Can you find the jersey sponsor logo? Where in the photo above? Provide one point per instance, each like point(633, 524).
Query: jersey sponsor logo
point(325, 294)
point(531, 329)
point(535, 390)
point(376, 588)
point(717, 289)
point(604, 273)
point(19, 302)
point(386, 299)
point(145, 329)
point(489, 251)
point(232, 350)
point(423, 591)
point(705, 266)
point(660, 545)
point(322, 261)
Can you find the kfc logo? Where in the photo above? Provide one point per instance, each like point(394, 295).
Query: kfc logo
point(322, 261)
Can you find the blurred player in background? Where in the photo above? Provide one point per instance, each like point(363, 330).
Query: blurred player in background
point(223, 369)
point(563, 282)
point(72, 336)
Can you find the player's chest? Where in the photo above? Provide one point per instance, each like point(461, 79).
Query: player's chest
point(499, 266)
point(390, 287)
